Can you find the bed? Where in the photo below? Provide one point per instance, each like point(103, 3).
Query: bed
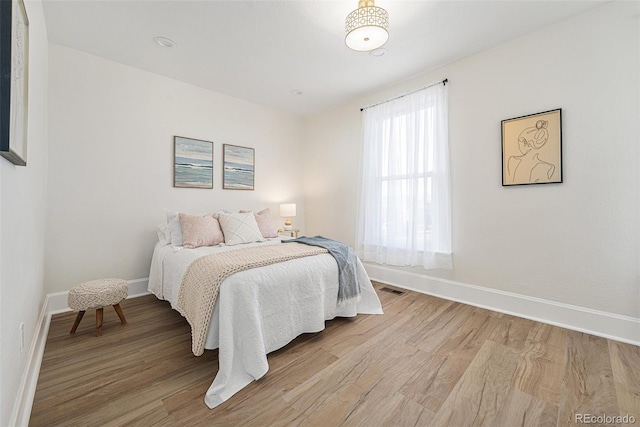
point(260, 310)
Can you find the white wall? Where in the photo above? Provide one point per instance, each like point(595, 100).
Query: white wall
point(22, 225)
point(111, 162)
point(577, 242)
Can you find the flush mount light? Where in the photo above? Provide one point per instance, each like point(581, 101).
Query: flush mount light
point(296, 92)
point(367, 27)
point(164, 42)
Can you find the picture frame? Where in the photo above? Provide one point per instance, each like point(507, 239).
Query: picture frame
point(238, 167)
point(14, 81)
point(192, 163)
point(532, 149)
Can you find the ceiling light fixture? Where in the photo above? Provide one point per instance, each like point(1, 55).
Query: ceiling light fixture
point(164, 42)
point(367, 27)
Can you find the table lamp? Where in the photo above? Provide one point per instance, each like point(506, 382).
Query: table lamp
point(287, 210)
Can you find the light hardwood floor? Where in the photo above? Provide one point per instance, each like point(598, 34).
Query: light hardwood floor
point(425, 362)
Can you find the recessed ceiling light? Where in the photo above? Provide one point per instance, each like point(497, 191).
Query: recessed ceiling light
point(296, 92)
point(379, 52)
point(164, 42)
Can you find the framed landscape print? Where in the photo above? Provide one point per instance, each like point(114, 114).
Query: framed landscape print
point(239, 164)
point(193, 163)
point(14, 80)
point(532, 149)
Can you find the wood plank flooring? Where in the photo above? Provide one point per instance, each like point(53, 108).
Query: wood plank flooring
point(425, 362)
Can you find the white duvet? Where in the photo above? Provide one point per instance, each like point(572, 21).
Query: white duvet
point(260, 310)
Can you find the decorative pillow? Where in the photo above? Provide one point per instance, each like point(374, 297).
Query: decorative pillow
point(175, 229)
point(164, 236)
point(200, 231)
point(265, 223)
point(239, 228)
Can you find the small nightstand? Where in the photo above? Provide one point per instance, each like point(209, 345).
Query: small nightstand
point(289, 233)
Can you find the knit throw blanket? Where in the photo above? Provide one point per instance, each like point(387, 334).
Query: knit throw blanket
point(348, 285)
point(201, 282)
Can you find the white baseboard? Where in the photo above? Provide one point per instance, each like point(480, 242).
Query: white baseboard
point(600, 323)
point(54, 303)
point(27, 390)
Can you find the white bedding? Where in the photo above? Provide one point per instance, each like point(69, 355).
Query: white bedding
point(260, 310)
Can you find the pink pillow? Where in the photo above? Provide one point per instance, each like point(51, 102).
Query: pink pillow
point(200, 231)
point(265, 223)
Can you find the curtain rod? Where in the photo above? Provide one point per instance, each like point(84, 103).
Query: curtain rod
point(444, 82)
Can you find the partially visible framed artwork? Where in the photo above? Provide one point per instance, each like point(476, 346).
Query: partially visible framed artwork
point(14, 80)
point(239, 165)
point(192, 163)
point(532, 149)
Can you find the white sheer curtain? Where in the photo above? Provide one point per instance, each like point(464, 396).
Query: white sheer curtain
point(405, 202)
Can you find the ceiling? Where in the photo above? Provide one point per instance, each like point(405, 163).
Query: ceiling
point(261, 51)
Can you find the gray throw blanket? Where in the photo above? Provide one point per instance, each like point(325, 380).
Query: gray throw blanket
point(348, 284)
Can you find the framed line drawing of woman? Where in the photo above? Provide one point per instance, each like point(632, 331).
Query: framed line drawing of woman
point(532, 149)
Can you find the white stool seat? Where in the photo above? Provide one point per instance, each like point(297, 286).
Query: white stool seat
point(97, 293)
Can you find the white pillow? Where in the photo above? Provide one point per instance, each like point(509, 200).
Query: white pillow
point(175, 229)
point(239, 228)
point(164, 236)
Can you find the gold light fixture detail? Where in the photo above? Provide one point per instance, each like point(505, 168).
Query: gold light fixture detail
point(367, 27)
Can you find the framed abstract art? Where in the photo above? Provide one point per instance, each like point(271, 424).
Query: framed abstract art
point(239, 167)
point(192, 163)
point(14, 81)
point(532, 149)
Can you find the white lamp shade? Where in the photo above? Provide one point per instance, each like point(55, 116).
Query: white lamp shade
point(364, 39)
point(288, 209)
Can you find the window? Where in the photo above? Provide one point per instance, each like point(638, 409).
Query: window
point(404, 194)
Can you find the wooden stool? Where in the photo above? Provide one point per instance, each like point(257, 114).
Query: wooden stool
point(97, 294)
